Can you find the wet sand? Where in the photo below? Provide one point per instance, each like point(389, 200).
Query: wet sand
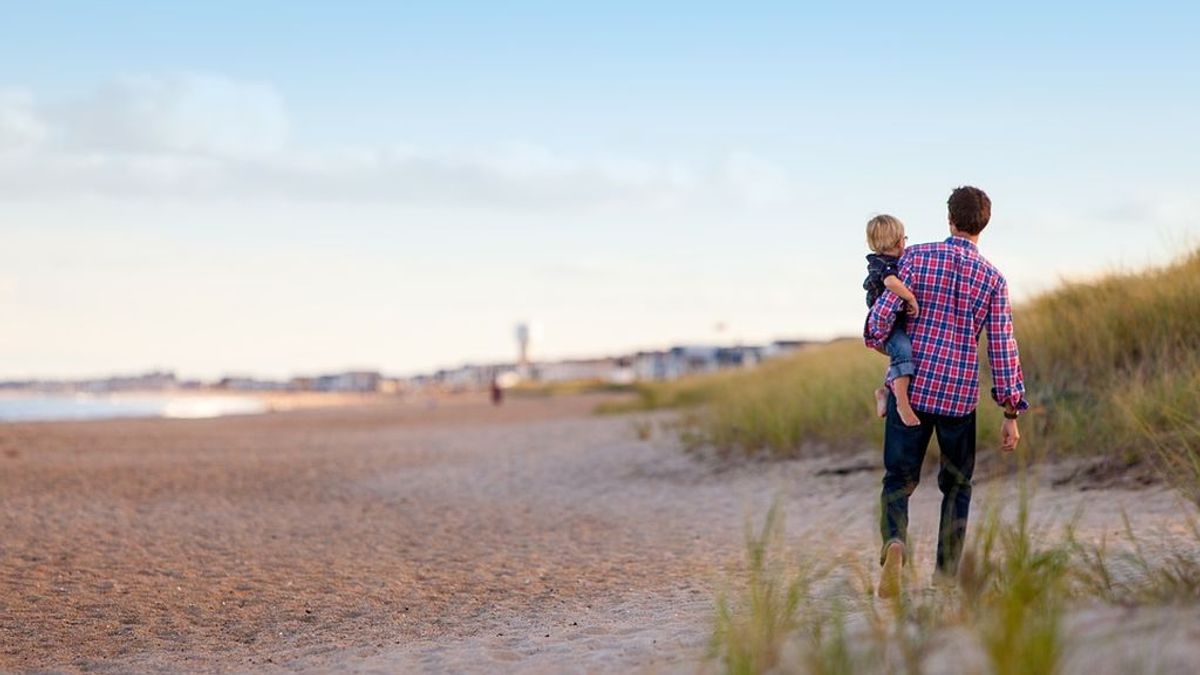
point(400, 537)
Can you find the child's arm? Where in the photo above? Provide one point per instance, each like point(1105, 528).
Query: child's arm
point(893, 284)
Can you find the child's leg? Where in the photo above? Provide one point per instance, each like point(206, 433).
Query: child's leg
point(899, 347)
point(903, 407)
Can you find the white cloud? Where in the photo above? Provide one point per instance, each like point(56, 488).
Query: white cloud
point(20, 125)
point(759, 182)
point(204, 137)
point(1168, 215)
point(182, 113)
point(1172, 211)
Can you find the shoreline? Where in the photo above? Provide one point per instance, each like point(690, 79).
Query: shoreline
point(64, 407)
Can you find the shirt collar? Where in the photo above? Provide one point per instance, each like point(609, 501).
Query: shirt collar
point(961, 241)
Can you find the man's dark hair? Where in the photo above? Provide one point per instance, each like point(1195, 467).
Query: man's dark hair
point(970, 209)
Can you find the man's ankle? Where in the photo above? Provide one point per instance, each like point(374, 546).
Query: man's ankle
point(887, 545)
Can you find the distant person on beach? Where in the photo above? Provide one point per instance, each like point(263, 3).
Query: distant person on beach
point(961, 294)
point(885, 236)
point(497, 392)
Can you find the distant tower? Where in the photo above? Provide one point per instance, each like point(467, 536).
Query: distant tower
point(523, 335)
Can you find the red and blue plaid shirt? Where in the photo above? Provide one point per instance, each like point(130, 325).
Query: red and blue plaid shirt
point(960, 293)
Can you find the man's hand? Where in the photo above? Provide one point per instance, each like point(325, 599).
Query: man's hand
point(1010, 435)
point(913, 309)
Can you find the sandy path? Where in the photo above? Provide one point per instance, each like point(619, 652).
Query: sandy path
point(534, 537)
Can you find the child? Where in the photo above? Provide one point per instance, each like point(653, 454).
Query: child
point(885, 236)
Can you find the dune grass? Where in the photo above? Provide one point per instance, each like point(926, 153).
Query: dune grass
point(1112, 368)
point(1005, 613)
point(1115, 363)
point(750, 631)
point(1015, 591)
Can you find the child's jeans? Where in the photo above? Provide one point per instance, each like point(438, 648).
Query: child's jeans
point(899, 347)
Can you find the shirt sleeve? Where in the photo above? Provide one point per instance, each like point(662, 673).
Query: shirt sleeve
point(883, 312)
point(1008, 381)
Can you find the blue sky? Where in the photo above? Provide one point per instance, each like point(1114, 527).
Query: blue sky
point(275, 188)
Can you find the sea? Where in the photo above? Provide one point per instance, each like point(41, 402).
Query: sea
point(63, 407)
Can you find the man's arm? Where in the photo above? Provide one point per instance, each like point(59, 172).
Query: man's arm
point(1008, 382)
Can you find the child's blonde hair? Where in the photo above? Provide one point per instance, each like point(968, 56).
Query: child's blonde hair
point(884, 233)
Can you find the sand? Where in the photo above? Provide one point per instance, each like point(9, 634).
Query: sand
point(415, 536)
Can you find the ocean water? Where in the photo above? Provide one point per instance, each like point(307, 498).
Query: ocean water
point(30, 408)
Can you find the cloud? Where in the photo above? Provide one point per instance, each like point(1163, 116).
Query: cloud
point(1158, 210)
point(182, 113)
point(202, 137)
point(20, 125)
point(759, 181)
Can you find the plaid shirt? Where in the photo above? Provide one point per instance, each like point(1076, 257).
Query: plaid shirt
point(960, 294)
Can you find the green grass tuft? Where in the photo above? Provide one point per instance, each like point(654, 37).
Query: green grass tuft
point(751, 629)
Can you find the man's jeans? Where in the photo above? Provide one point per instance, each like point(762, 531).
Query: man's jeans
point(903, 452)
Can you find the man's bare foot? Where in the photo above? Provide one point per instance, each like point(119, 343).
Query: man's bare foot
point(890, 579)
point(907, 415)
point(881, 395)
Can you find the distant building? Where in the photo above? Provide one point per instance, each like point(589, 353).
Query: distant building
point(152, 381)
point(249, 384)
point(355, 381)
point(602, 370)
point(650, 365)
point(302, 384)
point(783, 347)
point(740, 356)
point(473, 376)
point(692, 360)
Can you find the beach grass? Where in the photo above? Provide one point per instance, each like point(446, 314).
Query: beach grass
point(1112, 368)
point(1007, 612)
point(1016, 589)
point(750, 630)
point(797, 617)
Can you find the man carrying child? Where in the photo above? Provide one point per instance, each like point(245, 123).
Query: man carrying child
point(960, 295)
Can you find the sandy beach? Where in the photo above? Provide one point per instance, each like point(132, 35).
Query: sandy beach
point(408, 537)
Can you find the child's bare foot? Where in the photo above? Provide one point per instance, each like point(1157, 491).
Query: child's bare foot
point(881, 395)
point(907, 415)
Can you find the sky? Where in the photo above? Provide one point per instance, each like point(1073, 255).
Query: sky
point(279, 188)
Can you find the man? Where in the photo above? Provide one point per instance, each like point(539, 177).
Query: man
point(960, 294)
